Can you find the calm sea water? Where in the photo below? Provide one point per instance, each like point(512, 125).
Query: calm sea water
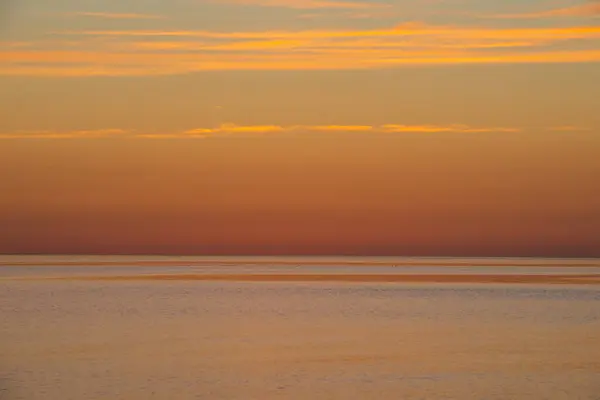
point(135, 340)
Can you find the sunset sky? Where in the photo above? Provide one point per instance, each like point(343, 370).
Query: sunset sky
point(392, 127)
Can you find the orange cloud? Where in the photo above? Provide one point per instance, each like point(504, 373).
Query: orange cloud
point(339, 128)
point(116, 64)
point(404, 31)
point(230, 129)
point(387, 128)
point(290, 44)
point(233, 128)
point(139, 53)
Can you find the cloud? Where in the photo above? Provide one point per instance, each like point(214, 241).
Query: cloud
point(81, 64)
point(245, 130)
point(113, 15)
point(407, 30)
point(156, 52)
point(339, 128)
point(235, 130)
point(230, 129)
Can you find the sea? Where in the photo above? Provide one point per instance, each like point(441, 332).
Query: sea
point(69, 333)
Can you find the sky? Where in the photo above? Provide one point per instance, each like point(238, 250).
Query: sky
point(300, 127)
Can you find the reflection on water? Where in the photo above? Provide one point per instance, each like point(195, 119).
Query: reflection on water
point(65, 340)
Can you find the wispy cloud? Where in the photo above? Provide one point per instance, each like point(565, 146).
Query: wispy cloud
point(108, 15)
point(407, 30)
point(386, 128)
point(338, 128)
point(231, 129)
point(236, 130)
point(156, 52)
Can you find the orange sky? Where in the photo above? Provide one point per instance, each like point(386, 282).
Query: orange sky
point(301, 127)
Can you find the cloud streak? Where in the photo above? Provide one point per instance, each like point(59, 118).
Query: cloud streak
point(235, 130)
point(386, 128)
point(157, 52)
point(403, 30)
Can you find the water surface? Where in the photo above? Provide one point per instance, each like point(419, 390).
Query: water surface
point(72, 339)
